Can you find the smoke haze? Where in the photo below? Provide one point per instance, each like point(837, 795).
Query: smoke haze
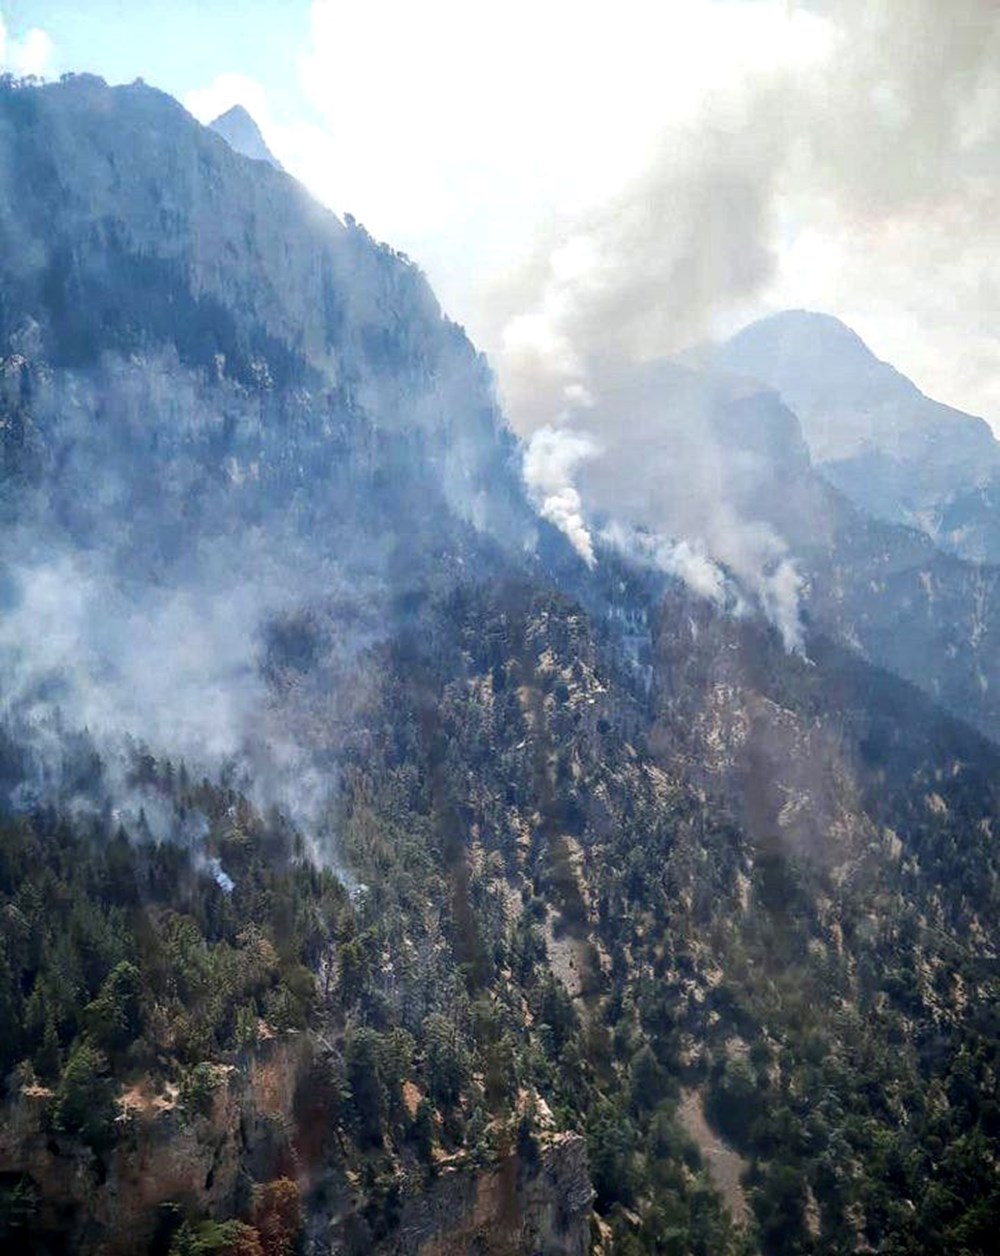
point(889, 127)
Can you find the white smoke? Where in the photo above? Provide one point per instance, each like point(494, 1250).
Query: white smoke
point(776, 585)
point(780, 590)
point(759, 558)
point(174, 664)
point(634, 280)
point(551, 459)
point(88, 658)
point(683, 559)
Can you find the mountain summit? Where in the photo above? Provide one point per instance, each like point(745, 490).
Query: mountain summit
point(242, 134)
point(848, 400)
point(895, 452)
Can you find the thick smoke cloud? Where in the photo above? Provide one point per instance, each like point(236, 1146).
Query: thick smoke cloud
point(898, 118)
point(908, 109)
point(642, 277)
point(889, 133)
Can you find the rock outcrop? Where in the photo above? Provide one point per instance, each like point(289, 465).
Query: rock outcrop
point(535, 1205)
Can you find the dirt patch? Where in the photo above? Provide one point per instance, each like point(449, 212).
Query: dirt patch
point(725, 1166)
point(143, 1100)
point(567, 957)
point(37, 1092)
point(412, 1096)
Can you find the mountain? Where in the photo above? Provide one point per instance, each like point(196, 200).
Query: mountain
point(222, 407)
point(243, 135)
point(895, 453)
point(376, 877)
point(723, 462)
point(233, 267)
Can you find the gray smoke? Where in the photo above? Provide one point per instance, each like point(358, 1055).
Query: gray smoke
point(901, 116)
point(894, 135)
point(138, 612)
point(85, 653)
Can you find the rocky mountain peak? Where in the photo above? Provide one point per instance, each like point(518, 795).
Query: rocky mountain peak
point(242, 134)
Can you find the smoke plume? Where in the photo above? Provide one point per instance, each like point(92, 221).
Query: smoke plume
point(551, 458)
point(886, 131)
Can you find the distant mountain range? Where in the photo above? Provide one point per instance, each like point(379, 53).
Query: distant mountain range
point(723, 460)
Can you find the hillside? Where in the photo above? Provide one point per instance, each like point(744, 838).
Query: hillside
point(374, 875)
point(725, 463)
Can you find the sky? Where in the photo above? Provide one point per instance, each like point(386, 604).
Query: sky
point(584, 181)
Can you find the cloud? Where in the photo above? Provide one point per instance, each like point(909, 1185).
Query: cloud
point(210, 102)
point(31, 54)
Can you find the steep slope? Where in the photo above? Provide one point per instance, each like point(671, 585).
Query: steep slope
point(221, 407)
point(375, 877)
point(769, 886)
point(897, 454)
point(133, 229)
point(722, 462)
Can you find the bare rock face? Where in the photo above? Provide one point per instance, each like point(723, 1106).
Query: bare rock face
point(538, 1205)
point(166, 1161)
point(163, 1158)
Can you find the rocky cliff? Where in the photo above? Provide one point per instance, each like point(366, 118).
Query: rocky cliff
point(538, 1203)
